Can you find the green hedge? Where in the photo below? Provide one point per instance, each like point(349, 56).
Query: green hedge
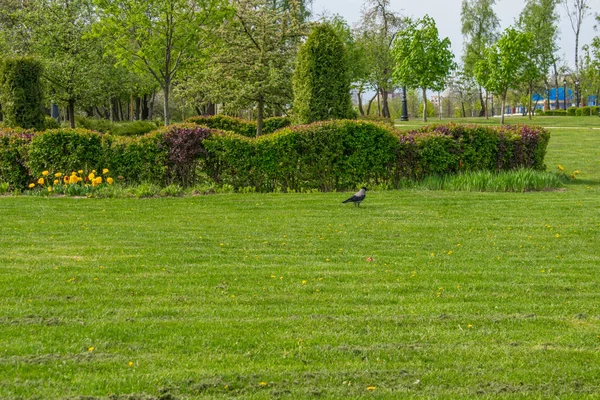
point(572, 111)
point(127, 128)
point(325, 155)
point(240, 126)
point(14, 157)
point(332, 155)
point(21, 92)
point(65, 150)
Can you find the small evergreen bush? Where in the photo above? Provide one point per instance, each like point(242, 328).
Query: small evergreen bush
point(572, 111)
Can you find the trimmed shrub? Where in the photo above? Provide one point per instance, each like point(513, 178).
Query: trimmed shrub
point(327, 156)
point(331, 155)
point(128, 128)
point(136, 159)
point(51, 123)
point(273, 124)
point(185, 148)
point(226, 123)
point(321, 81)
point(555, 113)
point(240, 126)
point(14, 154)
point(21, 93)
point(65, 150)
point(540, 112)
point(376, 119)
point(572, 111)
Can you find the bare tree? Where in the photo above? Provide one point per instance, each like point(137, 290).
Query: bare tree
point(577, 10)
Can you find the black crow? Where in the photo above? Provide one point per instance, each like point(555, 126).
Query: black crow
point(358, 197)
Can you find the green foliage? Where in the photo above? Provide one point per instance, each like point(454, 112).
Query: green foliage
point(240, 126)
point(506, 63)
point(479, 28)
point(321, 80)
point(555, 113)
point(14, 157)
point(572, 111)
point(422, 59)
point(521, 180)
point(51, 123)
point(326, 156)
point(137, 159)
point(128, 128)
point(255, 65)
point(65, 150)
point(157, 37)
point(21, 93)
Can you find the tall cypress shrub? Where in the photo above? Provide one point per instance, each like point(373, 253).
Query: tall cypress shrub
point(21, 93)
point(321, 80)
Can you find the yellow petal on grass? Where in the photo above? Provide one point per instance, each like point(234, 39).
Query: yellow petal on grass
point(371, 388)
point(561, 167)
point(31, 185)
point(91, 348)
point(130, 363)
point(262, 383)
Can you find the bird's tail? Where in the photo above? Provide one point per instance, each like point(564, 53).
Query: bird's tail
point(345, 201)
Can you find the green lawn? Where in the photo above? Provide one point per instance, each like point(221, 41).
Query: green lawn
point(552, 122)
point(414, 294)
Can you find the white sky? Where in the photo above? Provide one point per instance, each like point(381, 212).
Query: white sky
point(447, 16)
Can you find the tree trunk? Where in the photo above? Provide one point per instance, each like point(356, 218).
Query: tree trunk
point(482, 112)
point(138, 108)
point(385, 108)
point(166, 103)
point(121, 110)
point(530, 90)
point(378, 102)
point(369, 106)
point(210, 108)
point(145, 110)
point(360, 105)
point(424, 105)
point(487, 115)
point(71, 112)
point(261, 111)
point(151, 108)
point(503, 107)
point(556, 85)
point(464, 112)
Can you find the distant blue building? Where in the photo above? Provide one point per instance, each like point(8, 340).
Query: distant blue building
point(541, 99)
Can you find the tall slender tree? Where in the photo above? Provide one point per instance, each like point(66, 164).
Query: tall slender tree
point(422, 59)
point(540, 18)
point(378, 29)
point(480, 30)
point(253, 55)
point(577, 11)
point(505, 63)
